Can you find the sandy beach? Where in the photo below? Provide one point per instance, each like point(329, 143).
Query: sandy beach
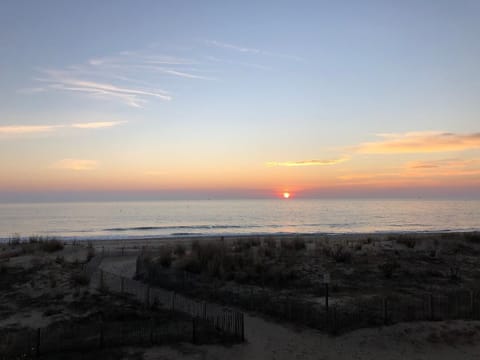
point(267, 336)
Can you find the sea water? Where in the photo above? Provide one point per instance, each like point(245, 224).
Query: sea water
point(104, 220)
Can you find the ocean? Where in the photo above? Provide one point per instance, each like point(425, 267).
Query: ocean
point(107, 220)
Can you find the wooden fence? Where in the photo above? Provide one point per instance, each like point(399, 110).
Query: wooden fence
point(364, 312)
point(66, 337)
point(205, 322)
point(225, 320)
point(342, 314)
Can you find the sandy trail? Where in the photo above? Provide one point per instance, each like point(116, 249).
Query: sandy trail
point(270, 340)
point(267, 340)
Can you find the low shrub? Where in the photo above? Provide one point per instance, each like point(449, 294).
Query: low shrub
point(408, 241)
point(339, 253)
point(80, 279)
point(270, 243)
point(293, 244)
point(191, 264)
point(165, 258)
point(90, 251)
point(180, 250)
point(473, 237)
point(51, 245)
point(388, 268)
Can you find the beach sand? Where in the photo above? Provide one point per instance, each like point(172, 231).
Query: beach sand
point(269, 339)
point(266, 338)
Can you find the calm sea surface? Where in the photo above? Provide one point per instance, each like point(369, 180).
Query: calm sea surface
point(181, 218)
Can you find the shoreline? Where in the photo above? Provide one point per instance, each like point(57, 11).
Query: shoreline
point(280, 235)
point(162, 240)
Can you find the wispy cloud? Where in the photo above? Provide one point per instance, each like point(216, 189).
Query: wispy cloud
point(75, 164)
point(233, 47)
point(421, 142)
point(307, 162)
point(431, 170)
point(26, 129)
point(97, 125)
point(250, 50)
point(63, 80)
point(19, 130)
point(442, 163)
point(442, 167)
point(129, 77)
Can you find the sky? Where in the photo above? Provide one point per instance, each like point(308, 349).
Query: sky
point(241, 99)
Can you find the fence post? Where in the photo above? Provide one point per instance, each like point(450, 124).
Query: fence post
point(193, 331)
point(243, 326)
point(472, 305)
point(37, 352)
point(334, 325)
point(385, 311)
point(432, 312)
point(101, 334)
point(102, 280)
point(147, 297)
point(123, 250)
point(151, 331)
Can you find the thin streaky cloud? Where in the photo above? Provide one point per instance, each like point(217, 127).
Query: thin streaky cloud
point(421, 142)
point(443, 163)
point(75, 164)
point(130, 96)
point(233, 47)
point(131, 77)
point(244, 49)
point(18, 130)
point(27, 129)
point(307, 162)
point(184, 74)
point(97, 125)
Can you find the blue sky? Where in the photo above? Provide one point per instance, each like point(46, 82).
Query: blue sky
point(195, 96)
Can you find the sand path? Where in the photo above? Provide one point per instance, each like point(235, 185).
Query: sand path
point(270, 340)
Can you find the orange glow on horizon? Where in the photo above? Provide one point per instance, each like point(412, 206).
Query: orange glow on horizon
point(286, 195)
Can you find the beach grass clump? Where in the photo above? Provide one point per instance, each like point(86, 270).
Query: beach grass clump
point(165, 259)
point(80, 279)
point(278, 275)
point(388, 268)
point(406, 240)
point(241, 245)
point(473, 237)
point(270, 243)
point(190, 264)
point(90, 252)
point(179, 250)
point(266, 252)
point(454, 272)
point(339, 253)
point(51, 245)
point(208, 251)
point(15, 239)
point(295, 244)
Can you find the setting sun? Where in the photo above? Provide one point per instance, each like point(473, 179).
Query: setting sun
point(286, 195)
